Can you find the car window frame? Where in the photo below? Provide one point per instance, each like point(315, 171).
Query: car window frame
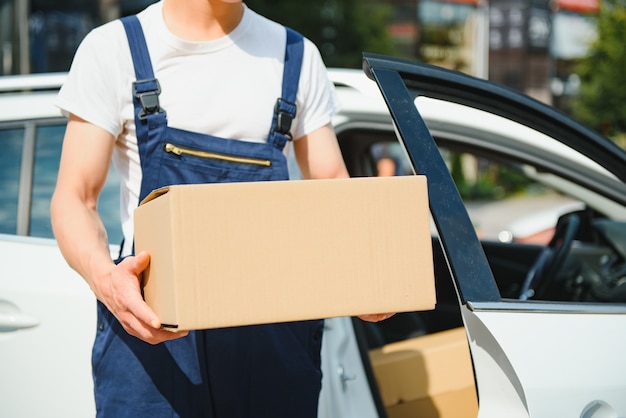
point(27, 166)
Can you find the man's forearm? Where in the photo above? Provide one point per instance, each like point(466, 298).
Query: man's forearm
point(81, 236)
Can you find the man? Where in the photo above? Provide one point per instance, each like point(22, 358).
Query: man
point(217, 70)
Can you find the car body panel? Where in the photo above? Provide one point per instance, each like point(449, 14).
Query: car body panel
point(541, 358)
point(346, 389)
point(37, 283)
point(38, 108)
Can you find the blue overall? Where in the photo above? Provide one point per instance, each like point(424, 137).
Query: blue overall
point(255, 371)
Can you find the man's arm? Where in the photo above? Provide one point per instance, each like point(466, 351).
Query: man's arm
point(319, 156)
point(81, 236)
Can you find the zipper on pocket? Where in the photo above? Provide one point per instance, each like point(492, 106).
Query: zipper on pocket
point(175, 149)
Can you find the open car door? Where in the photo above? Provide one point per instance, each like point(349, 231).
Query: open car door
point(531, 357)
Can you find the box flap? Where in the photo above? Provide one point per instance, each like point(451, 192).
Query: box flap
point(154, 194)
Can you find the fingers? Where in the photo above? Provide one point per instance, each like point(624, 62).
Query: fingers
point(149, 334)
point(138, 263)
point(128, 306)
point(130, 298)
point(376, 317)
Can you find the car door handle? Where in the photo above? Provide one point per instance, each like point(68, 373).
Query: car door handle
point(15, 321)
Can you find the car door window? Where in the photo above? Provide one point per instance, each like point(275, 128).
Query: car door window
point(11, 141)
point(28, 174)
point(504, 202)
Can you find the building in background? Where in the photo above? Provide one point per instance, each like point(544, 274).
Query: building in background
point(448, 33)
point(56, 30)
point(519, 45)
point(528, 45)
point(42, 35)
point(453, 35)
point(14, 37)
point(573, 30)
point(507, 41)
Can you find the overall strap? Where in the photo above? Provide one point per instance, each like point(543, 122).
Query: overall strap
point(285, 108)
point(150, 119)
point(138, 48)
point(146, 88)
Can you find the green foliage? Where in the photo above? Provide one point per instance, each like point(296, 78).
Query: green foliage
point(456, 168)
point(495, 181)
point(342, 29)
point(601, 103)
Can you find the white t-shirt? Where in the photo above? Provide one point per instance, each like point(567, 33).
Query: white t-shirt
point(225, 87)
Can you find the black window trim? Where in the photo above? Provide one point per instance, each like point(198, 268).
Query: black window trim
point(464, 255)
point(27, 168)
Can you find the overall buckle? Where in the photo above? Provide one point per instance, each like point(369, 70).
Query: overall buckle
point(149, 98)
point(285, 113)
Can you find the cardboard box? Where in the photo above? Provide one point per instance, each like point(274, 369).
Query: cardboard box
point(261, 252)
point(427, 377)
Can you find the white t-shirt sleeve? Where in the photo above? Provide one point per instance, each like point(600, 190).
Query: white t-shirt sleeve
point(316, 94)
point(91, 90)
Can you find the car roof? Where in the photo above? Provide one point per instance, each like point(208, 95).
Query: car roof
point(24, 97)
point(13, 83)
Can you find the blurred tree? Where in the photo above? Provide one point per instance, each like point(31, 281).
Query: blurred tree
point(601, 103)
point(342, 29)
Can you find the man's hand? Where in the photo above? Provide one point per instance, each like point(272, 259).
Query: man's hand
point(376, 317)
point(81, 236)
point(121, 293)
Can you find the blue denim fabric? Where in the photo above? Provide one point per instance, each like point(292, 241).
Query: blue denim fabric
point(255, 371)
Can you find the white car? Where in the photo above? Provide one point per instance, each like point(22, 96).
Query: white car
point(520, 330)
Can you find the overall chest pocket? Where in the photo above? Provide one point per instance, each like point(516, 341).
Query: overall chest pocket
point(188, 157)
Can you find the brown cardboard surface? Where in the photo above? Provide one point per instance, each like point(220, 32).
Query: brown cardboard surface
point(428, 376)
point(454, 404)
point(262, 252)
